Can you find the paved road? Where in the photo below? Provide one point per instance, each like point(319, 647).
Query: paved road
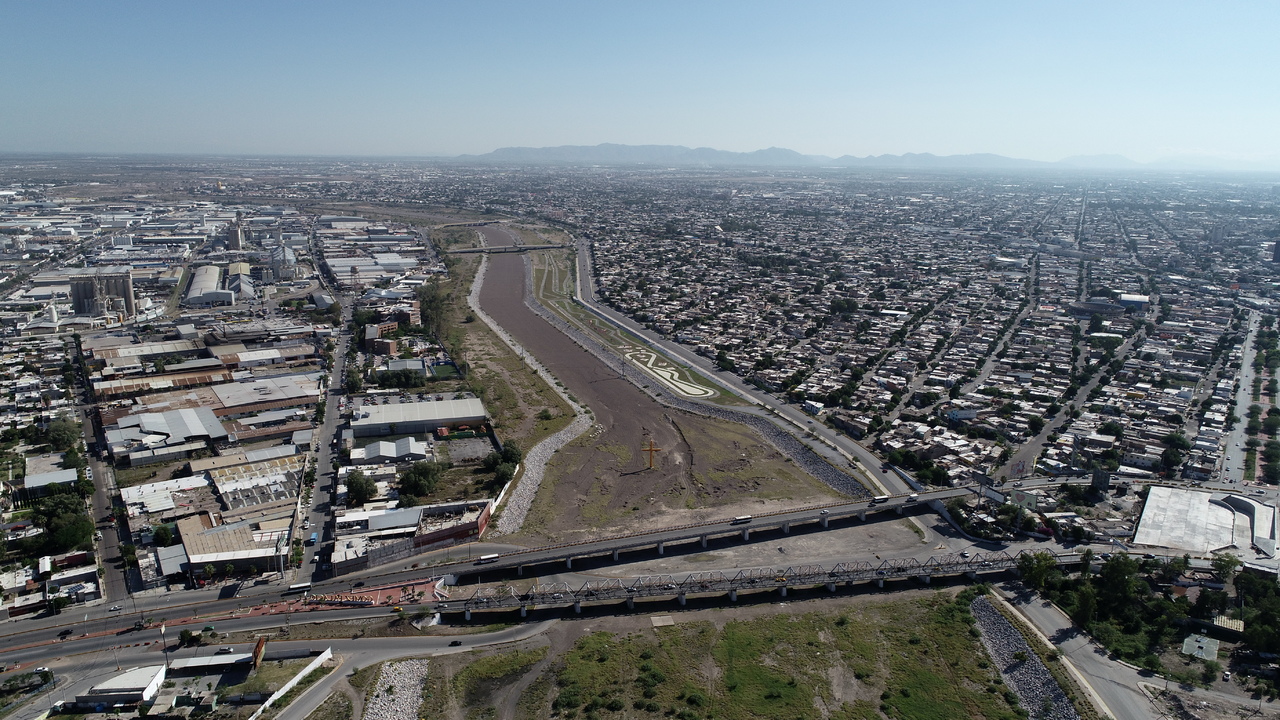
point(326, 477)
point(1030, 451)
point(89, 661)
point(114, 586)
point(1116, 684)
point(1232, 467)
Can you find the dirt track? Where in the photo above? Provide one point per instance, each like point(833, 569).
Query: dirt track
point(603, 480)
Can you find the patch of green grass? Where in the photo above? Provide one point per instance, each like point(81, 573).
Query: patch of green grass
point(914, 528)
point(913, 659)
point(362, 678)
point(444, 372)
point(475, 680)
point(269, 677)
point(1250, 465)
point(335, 707)
point(296, 691)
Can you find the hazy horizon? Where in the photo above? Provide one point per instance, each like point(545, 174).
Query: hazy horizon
point(1146, 81)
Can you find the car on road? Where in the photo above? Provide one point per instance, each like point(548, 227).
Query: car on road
point(397, 609)
point(116, 608)
point(226, 650)
point(964, 553)
point(455, 643)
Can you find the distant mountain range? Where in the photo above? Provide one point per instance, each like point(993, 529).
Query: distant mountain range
point(774, 157)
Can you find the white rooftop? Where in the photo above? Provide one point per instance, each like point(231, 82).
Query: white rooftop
point(1185, 520)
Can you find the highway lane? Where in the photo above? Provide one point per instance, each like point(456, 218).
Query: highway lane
point(728, 526)
point(462, 561)
point(210, 601)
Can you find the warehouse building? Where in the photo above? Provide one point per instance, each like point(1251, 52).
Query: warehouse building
point(419, 417)
point(152, 437)
point(204, 288)
point(134, 686)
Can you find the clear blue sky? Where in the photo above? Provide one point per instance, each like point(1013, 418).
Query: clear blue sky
point(1025, 79)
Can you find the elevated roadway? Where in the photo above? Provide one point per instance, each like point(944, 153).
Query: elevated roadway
point(505, 249)
point(784, 520)
point(767, 579)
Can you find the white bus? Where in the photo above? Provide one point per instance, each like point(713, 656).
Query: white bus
point(485, 559)
point(297, 588)
point(741, 519)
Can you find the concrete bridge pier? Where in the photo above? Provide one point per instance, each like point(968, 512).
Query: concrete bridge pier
point(786, 528)
point(746, 534)
point(577, 606)
point(524, 611)
point(972, 575)
point(568, 563)
point(466, 614)
point(899, 509)
point(926, 579)
point(662, 548)
point(733, 596)
point(824, 521)
point(615, 556)
point(783, 590)
point(831, 587)
point(519, 570)
point(862, 515)
point(879, 582)
point(703, 540)
point(631, 603)
point(681, 598)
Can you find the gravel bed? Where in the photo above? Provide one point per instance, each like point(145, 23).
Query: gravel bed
point(1029, 679)
point(404, 680)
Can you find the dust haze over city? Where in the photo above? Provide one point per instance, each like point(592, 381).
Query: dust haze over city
point(734, 360)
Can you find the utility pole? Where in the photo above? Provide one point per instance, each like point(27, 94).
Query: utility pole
point(164, 648)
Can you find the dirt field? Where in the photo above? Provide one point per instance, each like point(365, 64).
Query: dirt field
point(602, 481)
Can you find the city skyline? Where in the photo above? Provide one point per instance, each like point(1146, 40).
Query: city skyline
point(1144, 81)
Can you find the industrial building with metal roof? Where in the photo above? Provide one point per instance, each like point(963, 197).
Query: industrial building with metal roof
point(417, 417)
